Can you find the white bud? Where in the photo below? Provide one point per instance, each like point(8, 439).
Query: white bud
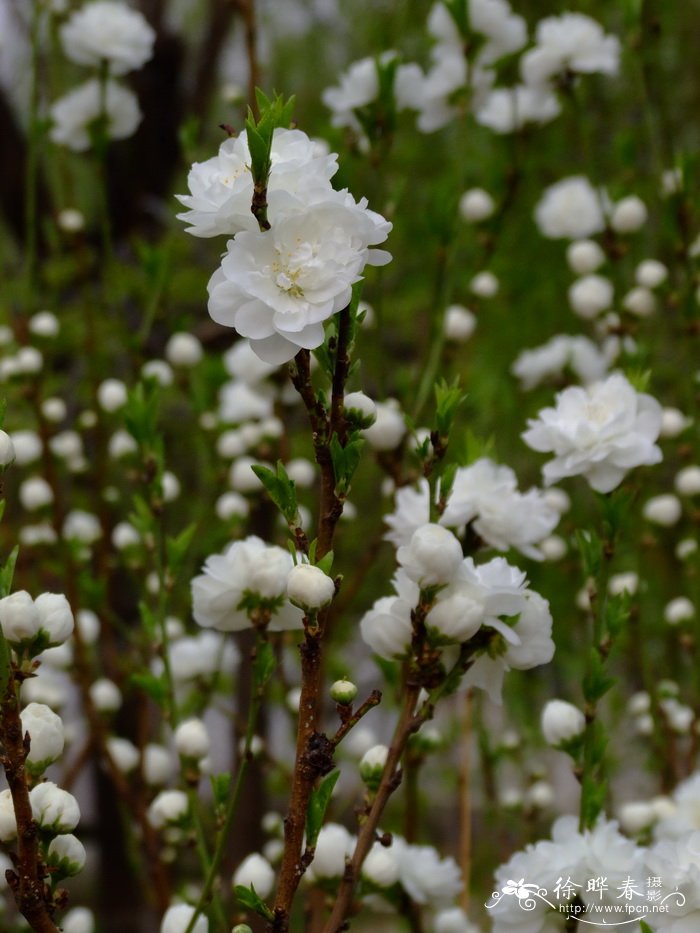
point(8, 822)
point(636, 816)
point(333, 847)
point(623, 583)
point(650, 273)
point(301, 471)
point(183, 349)
point(123, 753)
point(561, 722)
point(679, 610)
point(628, 215)
point(456, 618)
point(177, 919)
point(343, 691)
point(35, 493)
point(70, 220)
point(453, 920)
point(55, 617)
point(389, 427)
point(46, 736)
point(231, 505)
point(673, 422)
point(158, 765)
point(459, 323)
point(171, 486)
point(159, 371)
point(111, 395)
point(88, 625)
point(553, 547)
point(687, 481)
point(432, 556)
point(54, 409)
point(66, 855)
point(686, 548)
point(54, 809)
point(68, 445)
point(168, 807)
point(27, 446)
point(241, 476)
point(19, 619)
point(663, 510)
point(192, 739)
point(476, 205)
point(124, 535)
point(639, 301)
point(121, 444)
point(539, 795)
point(81, 526)
point(106, 695)
point(644, 725)
point(29, 360)
point(309, 587)
point(372, 764)
point(638, 703)
point(590, 295)
point(360, 408)
point(255, 872)
point(7, 450)
point(381, 866)
point(484, 284)
point(557, 499)
point(584, 256)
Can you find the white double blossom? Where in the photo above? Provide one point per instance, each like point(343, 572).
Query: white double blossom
point(572, 42)
point(108, 31)
point(72, 114)
point(600, 432)
point(247, 574)
point(570, 209)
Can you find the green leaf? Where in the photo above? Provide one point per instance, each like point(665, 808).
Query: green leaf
point(141, 413)
point(596, 682)
point(281, 489)
point(263, 665)
point(644, 927)
point(326, 563)
point(593, 793)
point(318, 804)
point(8, 571)
point(176, 548)
point(247, 898)
point(617, 613)
point(155, 687)
point(448, 398)
point(220, 788)
point(591, 549)
point(345, 460)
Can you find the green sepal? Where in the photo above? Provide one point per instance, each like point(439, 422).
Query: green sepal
point(248, 898)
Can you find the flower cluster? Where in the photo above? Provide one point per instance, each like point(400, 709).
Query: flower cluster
point(277, 287)
point(459, 599)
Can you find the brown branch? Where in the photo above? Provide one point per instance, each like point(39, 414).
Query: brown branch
point(32, 895)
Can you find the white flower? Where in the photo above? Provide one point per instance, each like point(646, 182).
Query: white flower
point(46, 736)
point(678, 610)
point(108, 31)
point(570, 209)
point(177, 919)
point(255, 872)
point(200, 656)
point(221, 189)
point(333, 847)
point(81, 526)
point(432, 556)
point(309, 587)
point(459, 323)
point(54, 809)
point(561, 721)
point(506, 110)
point(387, 627)
point(570, 42)
point(548, 362)
point(168, 808)
point(424, 875)
point(590, 295)
point(248, 569)
point(278, 287)
point(650, 273)
point(639, 301)
point(380, 866)
point(73, 113)
point(112, 395)
point(600, 432)
point(584, 256)
point(243, 364)
point(192, 739)
point(453, 920)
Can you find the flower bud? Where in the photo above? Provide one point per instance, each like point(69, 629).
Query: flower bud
point(55, 617)
point(628, 215)
point(484, 284)
point(19, 619)
point(8, 822)
point(664, 510)
point(35, 493)
point(561, 722)
point(106, 695)
point(432, 556)
point(584, 256)
point(70, 220)
point(389, 427)
point(360, 409)
point(54, 809)
point(124, 753)
point(673, 422)
point(242, 928)
point(679, 610)
point(636, 816)
point(639, 301)
point(46, 736)
point(66, 855)
point(380, 867)
point(372, 765)
point(476, 205)
point(650, 273)
point(309, 587)
point(192, 739)
point(158, 765)
point(459, 323)
point(590, 295)
point(333, 846)
point(169, 807)
point(111, 395)
point(687, 481)
point(78, 920)
point(7, 450)
point(183, 349)
point(255, 872)
point(177, 919)
point(343, 691)
point(453, 920)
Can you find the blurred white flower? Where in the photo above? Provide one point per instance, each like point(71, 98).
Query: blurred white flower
point(600, 432)
point(73, 114)
point(570, 209)
point(108, 31)
point(549, 362)
point(570, 42)
point(506, 110)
